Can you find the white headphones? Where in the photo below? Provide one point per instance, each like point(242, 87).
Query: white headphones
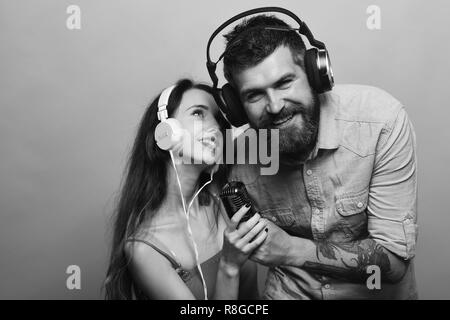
point(169, 132)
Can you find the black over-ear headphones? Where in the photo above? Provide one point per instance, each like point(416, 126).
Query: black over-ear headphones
point(317, 66)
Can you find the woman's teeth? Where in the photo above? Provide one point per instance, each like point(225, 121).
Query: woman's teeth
point(209, 143)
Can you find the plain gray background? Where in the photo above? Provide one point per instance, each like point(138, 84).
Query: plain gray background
point(70, 102)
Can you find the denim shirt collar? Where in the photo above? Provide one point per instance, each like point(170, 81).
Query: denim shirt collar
point(329, 136)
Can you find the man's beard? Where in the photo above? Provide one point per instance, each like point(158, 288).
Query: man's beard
point(296, 141)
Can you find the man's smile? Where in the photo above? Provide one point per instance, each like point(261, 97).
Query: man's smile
point(280, 121)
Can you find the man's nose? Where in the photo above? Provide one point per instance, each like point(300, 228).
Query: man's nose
point(275, 102)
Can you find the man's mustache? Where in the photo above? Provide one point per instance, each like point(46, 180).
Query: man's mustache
point(269, 118)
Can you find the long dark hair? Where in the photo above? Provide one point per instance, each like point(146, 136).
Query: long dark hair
point(144, 189)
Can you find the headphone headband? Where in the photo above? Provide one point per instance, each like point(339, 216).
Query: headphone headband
point(303, 29)
point(169, 132)
point(163, 102)
point(317, 64)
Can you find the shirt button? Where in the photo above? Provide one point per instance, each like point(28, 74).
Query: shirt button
point(316, 211)
point(359, 205)
point(309, 172)
point(274, 219)
point(327, 286)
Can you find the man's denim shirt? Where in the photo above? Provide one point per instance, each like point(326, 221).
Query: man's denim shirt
point(360, 181)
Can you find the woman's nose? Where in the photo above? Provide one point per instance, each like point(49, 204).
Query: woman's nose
point(212, 133)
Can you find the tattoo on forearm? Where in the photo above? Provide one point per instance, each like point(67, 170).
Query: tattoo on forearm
point(355, 257)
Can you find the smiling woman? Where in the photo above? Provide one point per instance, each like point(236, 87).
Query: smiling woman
point(162, 247)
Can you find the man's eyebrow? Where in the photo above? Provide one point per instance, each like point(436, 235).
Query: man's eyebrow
point(275, 84)
point(250, 90)
point(284, 78)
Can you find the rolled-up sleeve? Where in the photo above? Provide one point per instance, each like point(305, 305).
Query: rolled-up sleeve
point(392, 206)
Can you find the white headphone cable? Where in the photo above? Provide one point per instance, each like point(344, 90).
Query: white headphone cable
point(186, 212)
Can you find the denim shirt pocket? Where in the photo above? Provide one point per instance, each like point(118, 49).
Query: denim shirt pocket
point(352, 216)
point(282, 217)
point(351, 204)
point(361, 138)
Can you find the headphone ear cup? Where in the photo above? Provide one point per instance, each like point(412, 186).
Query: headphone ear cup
point(168, 134)
point(234, 110)
point(312, 71)
point(325, 70)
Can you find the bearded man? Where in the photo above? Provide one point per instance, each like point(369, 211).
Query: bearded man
point(341, 209)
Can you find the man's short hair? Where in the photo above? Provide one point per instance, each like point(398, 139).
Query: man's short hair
point(249, 43)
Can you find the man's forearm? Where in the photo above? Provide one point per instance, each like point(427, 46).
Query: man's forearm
point(345, 260)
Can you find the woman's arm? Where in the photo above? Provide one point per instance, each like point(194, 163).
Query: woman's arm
point(227, 283)
point(239, 243)
point(155, 275)
point(158, 280)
